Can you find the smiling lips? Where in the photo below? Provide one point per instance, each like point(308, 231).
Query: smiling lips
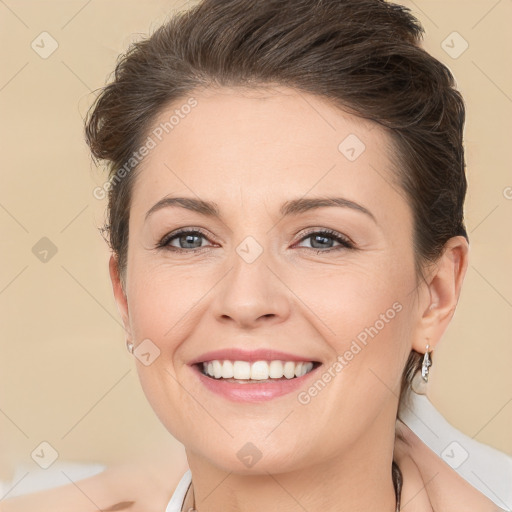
point(256, 371)
point(252, 375)
point(261, 365)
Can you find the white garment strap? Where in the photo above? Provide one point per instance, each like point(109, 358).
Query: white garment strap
point(485, 468)
point(176, 503)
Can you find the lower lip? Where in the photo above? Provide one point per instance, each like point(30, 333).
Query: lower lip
point(253, 392)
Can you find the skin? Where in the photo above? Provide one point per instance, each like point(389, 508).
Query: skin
point(250, 152)
point(429, 484)
point(141, 486)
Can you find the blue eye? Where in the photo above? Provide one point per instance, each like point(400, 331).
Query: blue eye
point(190, 240)
point(187, 238)
point(321, 238)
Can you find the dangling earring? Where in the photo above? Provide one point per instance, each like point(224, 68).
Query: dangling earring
point(426, 364)
point(129, 346)
point(420, 379)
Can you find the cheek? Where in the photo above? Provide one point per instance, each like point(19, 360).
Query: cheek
point(351, 298)
point(365, 317)
point(162, 301)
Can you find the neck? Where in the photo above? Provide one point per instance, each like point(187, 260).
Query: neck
point(358, 479)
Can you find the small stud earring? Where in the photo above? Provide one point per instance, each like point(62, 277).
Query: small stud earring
point(427, 363)
point(129, 346)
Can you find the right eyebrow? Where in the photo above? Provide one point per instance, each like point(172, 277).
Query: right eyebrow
point(208, 208)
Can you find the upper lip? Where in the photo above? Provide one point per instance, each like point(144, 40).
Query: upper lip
point(238, 354)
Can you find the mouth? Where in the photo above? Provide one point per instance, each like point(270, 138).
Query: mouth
point(255, 372)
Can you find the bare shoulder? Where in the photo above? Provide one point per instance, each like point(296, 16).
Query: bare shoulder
point(137, 487)
point(445, 489)
point(93, 493)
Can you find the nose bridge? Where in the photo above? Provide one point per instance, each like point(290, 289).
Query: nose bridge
point(250, 290)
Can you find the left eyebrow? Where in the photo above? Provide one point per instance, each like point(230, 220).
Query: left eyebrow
point(302, 205)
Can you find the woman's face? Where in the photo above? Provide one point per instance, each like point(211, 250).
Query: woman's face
point(263, 275)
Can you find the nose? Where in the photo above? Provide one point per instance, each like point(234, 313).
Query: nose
point(252, 294)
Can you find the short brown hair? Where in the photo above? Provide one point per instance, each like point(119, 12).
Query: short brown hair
point(362, 55)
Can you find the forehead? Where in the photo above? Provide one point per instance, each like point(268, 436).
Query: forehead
point(253, 146)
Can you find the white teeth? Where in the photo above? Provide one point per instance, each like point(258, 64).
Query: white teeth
point(275, 369)
point(227, 370)
point(258, 370)
point(289, 369)
point(241, 370)
point(217, 369)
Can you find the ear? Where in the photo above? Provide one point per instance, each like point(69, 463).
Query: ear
point(119, 295)
point(443, 289)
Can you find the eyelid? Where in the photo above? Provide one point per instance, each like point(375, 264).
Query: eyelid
point(164, 241)
point(331, 232)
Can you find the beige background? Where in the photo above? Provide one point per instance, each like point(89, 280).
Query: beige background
point(65, 375)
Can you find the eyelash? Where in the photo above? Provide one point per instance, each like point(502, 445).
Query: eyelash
point(344, 241)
